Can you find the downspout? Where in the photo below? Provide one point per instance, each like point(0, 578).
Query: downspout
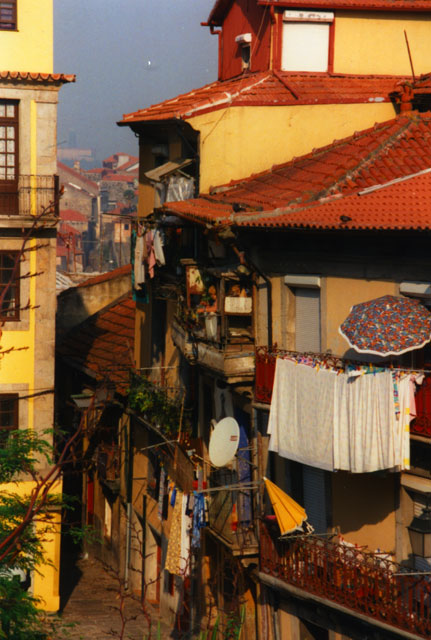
point(213, 32)
point(128, 468)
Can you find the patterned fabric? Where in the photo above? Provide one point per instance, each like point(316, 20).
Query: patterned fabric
point(173, 554)
point(389, 325)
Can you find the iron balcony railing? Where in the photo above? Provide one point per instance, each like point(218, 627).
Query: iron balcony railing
point(30, 195)
point(367, 583)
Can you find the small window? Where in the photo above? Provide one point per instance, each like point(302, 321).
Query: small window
point(9, 286)
point(8, 416)
point(8, 15)
point(245, 57)
point(305, 44)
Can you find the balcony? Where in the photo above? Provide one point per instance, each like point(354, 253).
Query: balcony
point(214, 322)
point(350, 579)
point(31, 195)
point(231, 511)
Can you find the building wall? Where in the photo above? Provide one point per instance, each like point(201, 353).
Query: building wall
point(30, 47)
point(338, 296)
point(374, 43)
point(372, 521)
point(245, 17)
point(239, 141)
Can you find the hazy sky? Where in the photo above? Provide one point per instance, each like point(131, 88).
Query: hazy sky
point(126, 54)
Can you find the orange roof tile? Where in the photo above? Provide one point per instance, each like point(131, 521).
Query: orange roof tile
point(109, 275)
point(72, 215)
point(78, 176)
point(354, 5)
point(306, 191)
point(53, 78)
point(103, 344)
point(270, 88)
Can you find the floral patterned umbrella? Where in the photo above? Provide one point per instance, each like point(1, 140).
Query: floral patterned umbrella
point(387, 326)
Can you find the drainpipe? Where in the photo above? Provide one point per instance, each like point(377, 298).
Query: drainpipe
point(213, 32)
point(128, 468)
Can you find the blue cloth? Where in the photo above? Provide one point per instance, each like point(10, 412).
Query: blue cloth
point(199, 520)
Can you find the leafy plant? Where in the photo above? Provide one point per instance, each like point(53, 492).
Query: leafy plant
point(154, 403)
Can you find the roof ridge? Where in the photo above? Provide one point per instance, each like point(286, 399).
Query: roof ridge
point(367, 160)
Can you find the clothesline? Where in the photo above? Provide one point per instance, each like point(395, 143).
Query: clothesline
point(341, 363)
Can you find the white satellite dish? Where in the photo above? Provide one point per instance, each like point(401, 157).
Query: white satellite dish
point(224, 442)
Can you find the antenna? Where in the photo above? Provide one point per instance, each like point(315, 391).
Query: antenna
point(224, 442)
point(410, 55)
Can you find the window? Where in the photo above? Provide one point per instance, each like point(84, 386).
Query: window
point(244, 42)
point(307, 319)
point(8, 141)
point(9, 286)
point(306, 36)
point(8, 416)
point(8, 15)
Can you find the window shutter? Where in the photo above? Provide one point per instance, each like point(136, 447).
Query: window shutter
point(307, 320)
point(314, 488)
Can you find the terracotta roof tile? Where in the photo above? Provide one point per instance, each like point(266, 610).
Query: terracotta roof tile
point(52, 78)
point(288, 194)
point(109, 275)
point(269, 89)
point(376, 5)
point(103, 344)
point(72, 215)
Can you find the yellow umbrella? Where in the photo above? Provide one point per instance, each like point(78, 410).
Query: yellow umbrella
point(290, 515)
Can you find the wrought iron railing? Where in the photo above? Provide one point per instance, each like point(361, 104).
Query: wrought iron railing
point(368, 583)
point(31, 195)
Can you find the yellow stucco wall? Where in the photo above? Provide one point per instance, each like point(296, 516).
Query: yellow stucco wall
point(372, 521)
point(46, 578)
point(239, 141)
point(374, 43)
point(338, 295)
point(30, 48)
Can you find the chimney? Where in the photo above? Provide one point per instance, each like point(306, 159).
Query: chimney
point(77, 166)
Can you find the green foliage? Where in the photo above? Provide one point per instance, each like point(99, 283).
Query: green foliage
point(20, 453)
point(153, 402)
point(19, 617)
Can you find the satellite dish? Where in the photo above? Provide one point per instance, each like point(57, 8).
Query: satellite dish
point(224, 442)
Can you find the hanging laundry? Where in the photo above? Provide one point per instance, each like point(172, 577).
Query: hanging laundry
point(302, 414)
point(151, 256)
point(162, 490)
point(198, 519)
point(158, 243)
point(173, 553)
point(139, 269)
point(186, 528)
point(340, 421)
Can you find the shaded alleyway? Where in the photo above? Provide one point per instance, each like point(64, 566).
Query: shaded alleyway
point(93, 604)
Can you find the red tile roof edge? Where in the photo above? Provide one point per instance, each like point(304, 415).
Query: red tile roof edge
point(233, 92)
point(105, 277)
point(353, 5)
point(80, 176)
point(59, 78)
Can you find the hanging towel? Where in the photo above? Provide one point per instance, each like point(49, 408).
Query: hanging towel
point(173, 554)
point(186, 527)
point(366, 434)
point(139, 269)
point(158, 248)
point(302, 414)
